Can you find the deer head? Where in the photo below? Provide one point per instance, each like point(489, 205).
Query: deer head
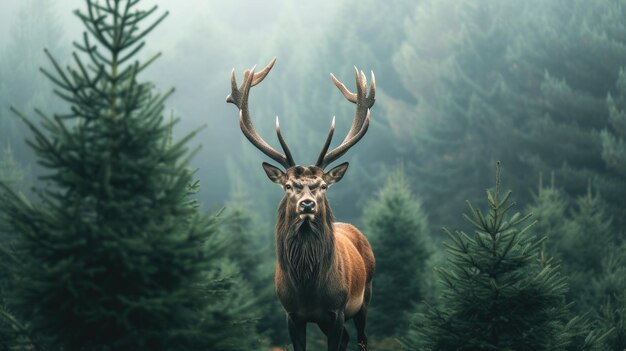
point(305, 187)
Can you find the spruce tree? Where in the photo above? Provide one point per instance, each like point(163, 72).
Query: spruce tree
point(613, 137)
point(572, 53)
point(461, 84)
point(550, 207)
point(588, 241)
point(255, 256)
point(500, 291)
point(396, 226)
point(115, 255)
point(11, 330)
point(580, 237)
point(613, 148)
point(610, 286)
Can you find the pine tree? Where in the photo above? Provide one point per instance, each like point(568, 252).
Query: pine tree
point(500, 291)
point(11, 330)
point(614, 135)
point(116, 255)
point(613, 149)
point(254, 254)
point(396, 225)
point(610, 286)
point(580, 236)
point(588, 241)
point(461, 84)
point(549, 208)
point(572, 52)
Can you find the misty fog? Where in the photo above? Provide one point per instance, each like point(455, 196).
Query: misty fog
point(538, 85)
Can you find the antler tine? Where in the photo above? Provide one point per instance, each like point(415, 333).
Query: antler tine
point(258, 77)
point(329, 138)
point(344, 147)
point(239, 97)
point(261, 144)
point(360, 123)
point(372, 94)
point(283, 144)
point(346, 93)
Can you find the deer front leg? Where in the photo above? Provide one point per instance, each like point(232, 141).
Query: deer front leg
point(336, 332)
point(297, 332)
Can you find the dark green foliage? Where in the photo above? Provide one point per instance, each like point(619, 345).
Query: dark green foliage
point(613, 147)
point(500, 291)
point(582, 239)
point(253, 252)
point(574, 51)
point(549, 207)
point(460, 85)
point(116, 255)
point(579, 236)
point(587, 242)
point(613, 315)
point(11, 330)
point(608, 288)
point(523, 82)
point(229, 320)
point(396, 226)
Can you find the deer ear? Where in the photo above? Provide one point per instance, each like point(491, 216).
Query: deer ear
point(273, 173)
point(335, 174)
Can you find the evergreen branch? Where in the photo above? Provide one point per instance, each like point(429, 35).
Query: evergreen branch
point(14, 322)
point(69, 98)
point(179, 146)
point(149, 29)
point(506, 198)
point(82, 69)
point(133, 92)
point(155, 107)
point(54, 80)
point(511, 243)
point(90, 50)
point(97, 24)
point(527, 228)
point(491, 200)
point(129, 5)
point(99, 58)
point(149, 62)
point(132, 53)
point(141, 15)
point(68, 85)
point(471, 221)
point(92, 24)
point(477, 215)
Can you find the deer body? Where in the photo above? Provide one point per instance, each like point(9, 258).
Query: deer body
point(321, 265)
point(324, 268)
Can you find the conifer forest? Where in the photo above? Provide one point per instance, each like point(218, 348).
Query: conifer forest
point(488, 178)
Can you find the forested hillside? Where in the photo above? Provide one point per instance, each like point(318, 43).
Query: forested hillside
point(135, 215)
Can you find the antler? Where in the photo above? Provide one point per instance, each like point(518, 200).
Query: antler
point(361, 120)
point(239, 97)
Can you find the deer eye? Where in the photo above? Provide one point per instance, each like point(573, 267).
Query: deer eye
point(287, 186)
point(324, 186)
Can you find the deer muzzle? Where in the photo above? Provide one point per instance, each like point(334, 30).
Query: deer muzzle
point(307, 208)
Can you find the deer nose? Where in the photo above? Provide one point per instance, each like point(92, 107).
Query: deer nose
point(307, 206)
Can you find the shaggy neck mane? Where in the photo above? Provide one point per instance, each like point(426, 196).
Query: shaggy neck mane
point(304, 248)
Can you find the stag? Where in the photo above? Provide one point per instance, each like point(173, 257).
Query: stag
point(324, 268)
